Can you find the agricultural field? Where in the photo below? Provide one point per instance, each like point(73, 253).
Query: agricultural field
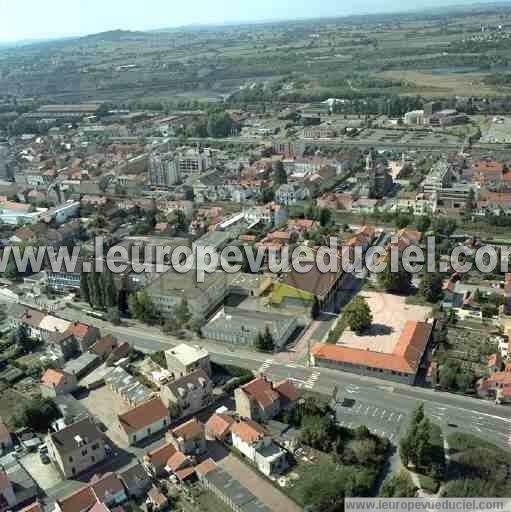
point(430, 54)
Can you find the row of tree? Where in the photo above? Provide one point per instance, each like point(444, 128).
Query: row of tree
point(98, 289)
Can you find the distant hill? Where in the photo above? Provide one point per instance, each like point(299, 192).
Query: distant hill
point(116, 35)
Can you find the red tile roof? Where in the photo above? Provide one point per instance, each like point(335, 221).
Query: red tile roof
point(287, 390)
point(219, 424)
point(248, 431)
point(261, 390)
point(82, 499)
point(53, 378)
point(159, 456)
point(192, 429)
point(405, 358)
point(206, 467)
point(143, 415)
point(107, 485)
point(78, 329)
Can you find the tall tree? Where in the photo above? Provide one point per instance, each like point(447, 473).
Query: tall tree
point(315, 309)
point(357, 315)
point(430, 287)
point(279, 174)
point(395, 282)
point(84, 288)
point(108, 289)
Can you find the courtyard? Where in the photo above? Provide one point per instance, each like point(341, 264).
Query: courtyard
point(390, 314)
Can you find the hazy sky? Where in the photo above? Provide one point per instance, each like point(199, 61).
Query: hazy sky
point(28, 19)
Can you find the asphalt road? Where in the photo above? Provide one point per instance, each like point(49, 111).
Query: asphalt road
point(390, 404)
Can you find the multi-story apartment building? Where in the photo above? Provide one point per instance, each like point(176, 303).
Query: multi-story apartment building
point(188, 394)
point(163, 170)
point(77, 448)
point(185, 359)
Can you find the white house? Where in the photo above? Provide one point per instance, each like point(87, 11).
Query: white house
point(250, 439)
point(144, 420)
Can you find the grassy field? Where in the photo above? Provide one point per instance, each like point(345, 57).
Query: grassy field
point(10, 400)
point(442, 85)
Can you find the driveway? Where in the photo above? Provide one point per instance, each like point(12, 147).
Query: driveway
point(45, 475)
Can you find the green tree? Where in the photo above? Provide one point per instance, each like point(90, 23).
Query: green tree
point(395, 282)
point(357, 315)
point(183, 315)
point(315, 309)
point(264, 341)
point(37, 414)
point(84, 288)
point(108, 289)
point(430, 287)
point(325, 217)
point(423, 223)
point(141, 307)
point(279, 174)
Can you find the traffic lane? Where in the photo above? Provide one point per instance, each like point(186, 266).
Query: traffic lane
point(484, 424)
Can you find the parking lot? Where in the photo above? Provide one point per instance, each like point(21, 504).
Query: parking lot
point(105, 406)
point(381, 420)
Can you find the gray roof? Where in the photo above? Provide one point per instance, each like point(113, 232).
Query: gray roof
point(243, 321)
point(181, 386)
point(185, 284)
point(134, 475)
point(77, 366)
point(213, 239)
point(66, 439)
point(70, 408)
point(128, 386)
point(235, 491)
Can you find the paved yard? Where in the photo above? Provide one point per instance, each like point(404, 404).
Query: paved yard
point(105, 405)
point(390, 313)
point(264, 490)
point(46, 475)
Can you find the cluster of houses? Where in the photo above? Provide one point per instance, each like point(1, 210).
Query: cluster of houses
point(79, 447)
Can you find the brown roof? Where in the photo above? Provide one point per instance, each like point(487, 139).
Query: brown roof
point(160, 456)
point(206, 467)
point(287, 390)
point(190, 430)
point(176, 461)
point(53, 378)
point(406, 357)
point(32, 317)
point(156, 497)
point(104, 345)
point(78, 329)
point(107, 485)
point(248, 431)
point(143, 415)
point(219, 424)
point(313, 281)
point(261, 390)
point(82, 499)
